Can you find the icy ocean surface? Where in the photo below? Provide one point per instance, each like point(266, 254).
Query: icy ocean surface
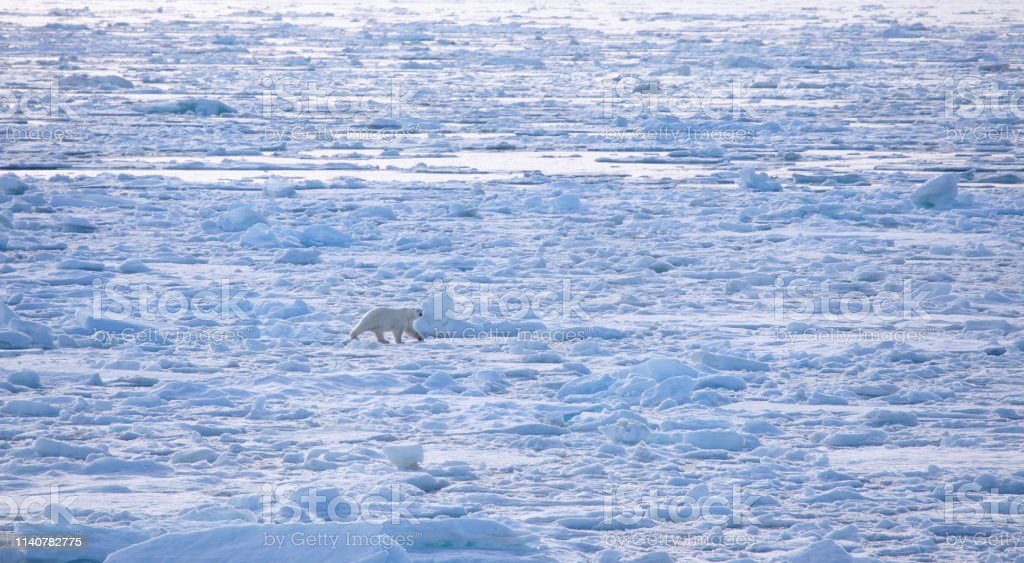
point(699, 282)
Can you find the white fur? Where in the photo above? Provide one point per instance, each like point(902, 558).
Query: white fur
point(382, 319)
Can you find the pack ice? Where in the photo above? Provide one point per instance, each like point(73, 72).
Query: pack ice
point(699, 282)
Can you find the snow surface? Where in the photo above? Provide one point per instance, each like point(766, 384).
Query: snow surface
point(775, 276)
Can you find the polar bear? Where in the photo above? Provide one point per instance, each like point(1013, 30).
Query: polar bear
point(382, 319)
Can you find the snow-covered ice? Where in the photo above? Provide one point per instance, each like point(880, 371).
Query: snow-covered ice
point(699, 282)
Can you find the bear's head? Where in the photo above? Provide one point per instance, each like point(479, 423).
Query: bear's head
point(414, 312)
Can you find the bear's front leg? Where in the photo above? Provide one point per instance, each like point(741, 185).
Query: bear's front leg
point(380, 337)
point(412, 332)
point(398, 336)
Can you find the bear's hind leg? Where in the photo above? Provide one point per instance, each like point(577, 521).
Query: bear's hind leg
point(380, 337)
point(398, 336)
